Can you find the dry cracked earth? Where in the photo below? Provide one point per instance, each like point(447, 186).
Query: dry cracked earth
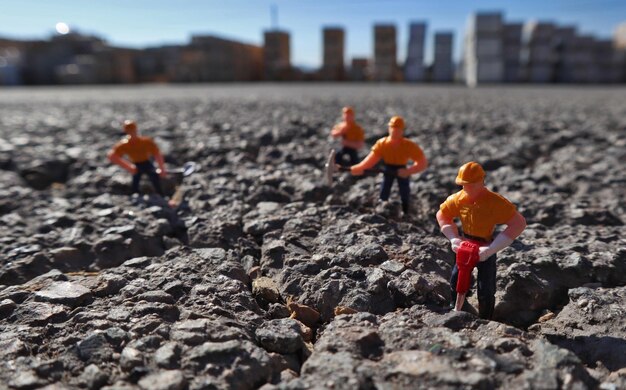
point(267, 278)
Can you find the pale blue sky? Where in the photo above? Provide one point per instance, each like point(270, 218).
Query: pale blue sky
point(141, 23)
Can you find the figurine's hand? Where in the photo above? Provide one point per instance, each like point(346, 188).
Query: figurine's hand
point(455, 243)
point(403, 173)
point(162, 173)
point(356, 171)
point(133, 170)
point(484, 252)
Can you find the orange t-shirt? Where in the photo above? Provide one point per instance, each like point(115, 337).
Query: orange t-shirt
point(480, 217)
point(352, 132)
point(138, 149)
point(399, 154)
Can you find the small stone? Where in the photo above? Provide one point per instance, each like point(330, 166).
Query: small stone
point(164, 380)
point(130, 358)
point(254, 272)
point(39, 313)
point(6, 307)
point(190, 332)
point(211, 254)
point(282, 336)
point(119, 314)
point(266, 288)
point(13, 347)
point(66, 293)
point(339, 310)
point(109, 285)
point(168, 355)
point(277, 310)
point(546, 317)
point(69, 258)
point(93, 377)
point(304, 314)
point(393, 266)
point(27, 380)
point(368, 254)
point(116, 336)
point(156, 296)
point(138, 262)
point(94, 348)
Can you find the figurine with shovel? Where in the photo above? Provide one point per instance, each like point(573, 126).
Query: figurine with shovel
point(395, 151)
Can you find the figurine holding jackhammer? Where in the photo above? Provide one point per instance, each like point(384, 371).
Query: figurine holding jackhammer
point(352, 138)
point(139, 150)
point(479, 210)
point(395, 151)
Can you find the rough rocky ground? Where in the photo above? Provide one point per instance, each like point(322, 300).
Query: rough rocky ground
point(265, 277)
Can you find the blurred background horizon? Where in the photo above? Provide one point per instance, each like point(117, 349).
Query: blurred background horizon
point(142, 25)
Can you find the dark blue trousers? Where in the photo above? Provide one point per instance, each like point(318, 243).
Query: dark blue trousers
point(389, 176)
point(486, 286)
point(147, 168)
point(352, 154)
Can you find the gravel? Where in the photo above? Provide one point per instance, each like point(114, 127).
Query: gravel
point(266, 277)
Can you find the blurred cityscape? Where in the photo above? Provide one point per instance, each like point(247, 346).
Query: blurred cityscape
point(494, 51)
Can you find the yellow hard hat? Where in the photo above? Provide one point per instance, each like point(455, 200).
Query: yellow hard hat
point(471, 172)
point(130, 125)
point(348, 110)
point(396, 121)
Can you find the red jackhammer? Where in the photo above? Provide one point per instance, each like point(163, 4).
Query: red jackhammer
point(467, 256)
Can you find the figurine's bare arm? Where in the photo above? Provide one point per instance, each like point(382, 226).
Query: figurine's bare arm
point(338, 131)
point(449, 229)
point(416, 167)
point(367, 163)
point(122, 162)
point(514, 227)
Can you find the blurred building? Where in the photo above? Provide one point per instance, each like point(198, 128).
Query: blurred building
point(276, 55)
point(414, 65)
point(359, 69)
point(10, 63)
point(568, 56)
point(158, 64)
point(105, 66)
point(483, 51)
point(333, 67)
point(512, 52)
point(555, 53)
point(443, 66)
point(538, 53)
point(121, 62)
point(67, 59)
point(606, 67)
point(493, 52)
point(619, 44)
point(385, 57)
point(209, 58)
point(45, 62)
point(83, 69)
point(619, 37)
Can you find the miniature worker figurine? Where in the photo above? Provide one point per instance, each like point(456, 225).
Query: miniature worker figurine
point(479, 210)
point(353, 138)
point(395, 151)
point(139, 150)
